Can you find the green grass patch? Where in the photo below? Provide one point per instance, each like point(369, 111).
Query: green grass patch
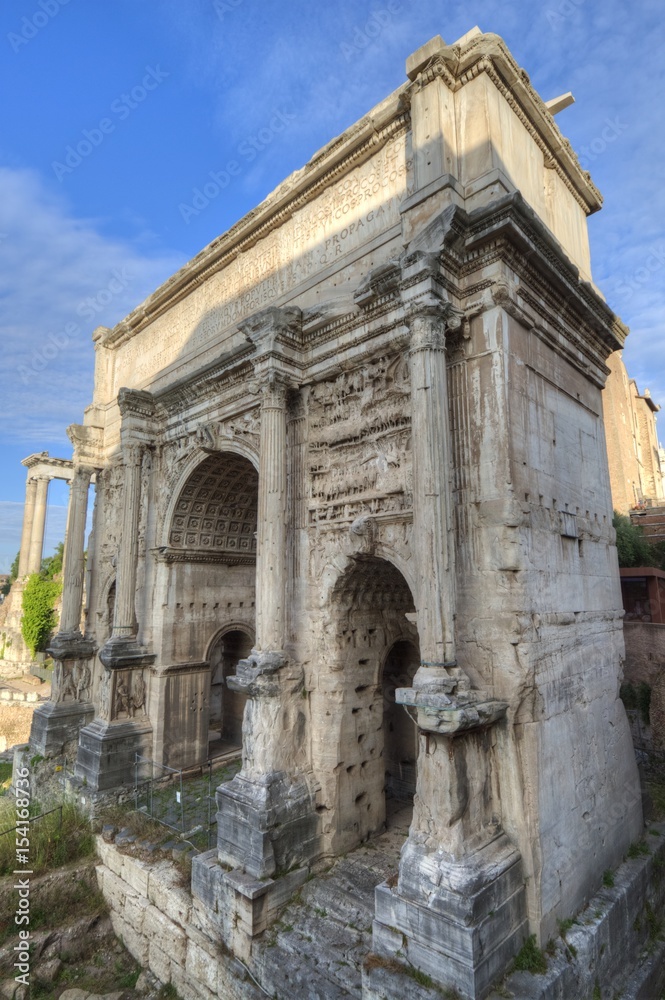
point(530, 958)
point(55, 840)
point(608, 878)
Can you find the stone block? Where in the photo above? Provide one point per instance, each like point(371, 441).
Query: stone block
point(171, 938)
point(136, 944)
point(169, 897)
point(116, 891)
point(114, 860)
point(135, 909)
point(136, 873)
point(189, 987)
point(202, 965)
point(159, 962)
point(55, 725)
point(468, 955)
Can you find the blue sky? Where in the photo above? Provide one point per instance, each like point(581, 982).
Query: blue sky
point(162, 92)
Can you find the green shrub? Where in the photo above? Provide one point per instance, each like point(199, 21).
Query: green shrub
point(633, 548)
point(39, 617)
point(530, 958)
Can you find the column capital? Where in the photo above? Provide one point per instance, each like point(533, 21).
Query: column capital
point(132, 452)
point(274, 385)
point(429, 320)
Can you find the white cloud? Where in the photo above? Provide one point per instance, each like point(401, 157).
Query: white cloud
point(60, 277)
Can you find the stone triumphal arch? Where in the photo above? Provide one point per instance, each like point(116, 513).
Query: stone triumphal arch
point(350, 471)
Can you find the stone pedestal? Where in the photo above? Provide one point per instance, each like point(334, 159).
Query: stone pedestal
point(266, 826)
point(107, 752)
point(458, 912)
point(56, 726)
point(267, 821)
point(468, 931)
point(241, 906)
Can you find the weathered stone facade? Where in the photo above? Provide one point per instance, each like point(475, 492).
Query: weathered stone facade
point(634, 454)
point(360, 438)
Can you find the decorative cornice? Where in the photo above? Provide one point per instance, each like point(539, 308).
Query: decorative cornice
point(136, 403)
point(172, 555)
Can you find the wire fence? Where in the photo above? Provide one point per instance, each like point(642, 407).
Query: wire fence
point(183, 800)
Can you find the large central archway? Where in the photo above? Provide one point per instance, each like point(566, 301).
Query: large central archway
point(376, 650)
point(209, 614)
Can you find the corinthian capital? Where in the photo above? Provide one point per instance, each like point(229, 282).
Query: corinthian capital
point(429, 319)
point(273, 386)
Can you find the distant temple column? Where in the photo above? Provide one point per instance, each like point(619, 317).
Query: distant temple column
point(38, 525)
point(28, 517)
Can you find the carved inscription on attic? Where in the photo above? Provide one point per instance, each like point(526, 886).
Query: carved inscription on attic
point(360, 443)
point(346, 215)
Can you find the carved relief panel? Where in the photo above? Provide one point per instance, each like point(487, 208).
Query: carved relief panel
point(359, 443)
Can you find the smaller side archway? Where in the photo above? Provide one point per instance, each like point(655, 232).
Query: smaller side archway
point(374, 649)
point(227, 707)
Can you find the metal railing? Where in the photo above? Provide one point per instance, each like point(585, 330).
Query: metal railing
point(178, 799)
point(33, 819)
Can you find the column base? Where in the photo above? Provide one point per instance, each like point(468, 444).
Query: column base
point(463, 927)
point(106, 753)
point(57, 725)
point(124, 653)
point(266, 826)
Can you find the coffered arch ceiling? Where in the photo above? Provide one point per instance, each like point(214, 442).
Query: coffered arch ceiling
point(216, 510)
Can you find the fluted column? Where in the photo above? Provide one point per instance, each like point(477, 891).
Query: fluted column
point(38, 525)
point(432, 497)
point(124, 617)
point(272, 521)
point(28, 517)
point(74, 564)
point(122, 649)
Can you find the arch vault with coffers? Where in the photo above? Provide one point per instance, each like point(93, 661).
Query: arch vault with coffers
point(361, 421)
